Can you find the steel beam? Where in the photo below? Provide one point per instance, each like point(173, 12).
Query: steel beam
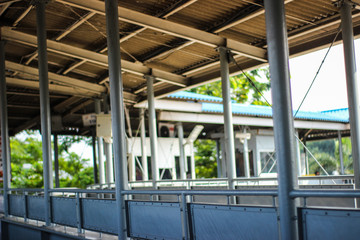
point(144, 161)
point(56, 161)
point(278, 52)
point(152, 129)
point(228, 123)
point(341, 156)
point(100, 145)
point(246, 156)
point(117, 112)
point(172, 28)
point(44, 106)
point(352, 87)
point(93, 57)
point(180, 131)
point(5, 146)
point(95, 166)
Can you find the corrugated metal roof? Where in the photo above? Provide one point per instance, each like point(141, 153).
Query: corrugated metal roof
point(194, 97)
point(265, 111)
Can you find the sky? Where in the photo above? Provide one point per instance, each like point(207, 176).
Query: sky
point(329, 90)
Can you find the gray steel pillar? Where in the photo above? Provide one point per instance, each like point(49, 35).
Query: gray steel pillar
point(100, 142)
point(44, 105)
point(278, 53)
point(5, 146)
point(56, 161)
point(218, 159)
point(152, 129)
point(144, 161)
point(93, 141)
point(223, 158)
point(352, 87)
point(109, 170)
point(298, 155)
point(341, 155)
point(246, 156)
point(180, 131)
point(228, 123)
point(117, 111)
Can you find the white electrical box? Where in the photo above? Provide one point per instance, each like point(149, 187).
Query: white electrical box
point(103, 125)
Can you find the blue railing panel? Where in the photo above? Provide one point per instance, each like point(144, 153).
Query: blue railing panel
point(232, 222)
point(36, 207)
point(64, 211)
point(330, 224)
point(16, 205)
point(154, 220)
point(99, 215)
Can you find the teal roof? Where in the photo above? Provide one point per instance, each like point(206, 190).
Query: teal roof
point(195, 97)
point(265, 111)
point(211, 104)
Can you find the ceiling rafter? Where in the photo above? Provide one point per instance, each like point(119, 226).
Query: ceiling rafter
point(172, 28)
point(97, 58)
point(171, 11)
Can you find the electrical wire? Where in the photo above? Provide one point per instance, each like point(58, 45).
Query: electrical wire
point(317, 73)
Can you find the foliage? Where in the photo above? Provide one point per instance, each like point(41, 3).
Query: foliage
point(347, 155)
point(327, 153)
point(205, 158)
point(27, 166)
point(242, 91)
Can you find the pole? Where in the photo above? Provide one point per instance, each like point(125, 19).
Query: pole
point(56, 161)
point(193, 174)
point(117, 111)
point(228, 124)
point(108, 150)
point(5, 148)
point(352, 86)
point(144, 162)
point(100, 142)
point(298, 155)
point(152, 129)
point(93, 141)
point(218, 158)
point(246, 156)
point(341, 156)
point(278, 52)
point(44, 105)
point(181, 150)
point(223, 158)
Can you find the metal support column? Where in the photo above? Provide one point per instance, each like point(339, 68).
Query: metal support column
point(352, 87)
point(180, 131)
point(109, 170)
point(341, 156)
point(100, 142)
point(223, 158)
point(5, 147)
point(44, 105)
point(117, 111)
point(144, 161)
point(278, 52)
point(192, 162)
point(246, 156)
point(56, 161)
point(218, 159)
point(93, 141)
point(152, 129)
point(298, 155)
point(228, 123)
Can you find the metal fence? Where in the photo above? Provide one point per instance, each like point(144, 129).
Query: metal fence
point(186, 218)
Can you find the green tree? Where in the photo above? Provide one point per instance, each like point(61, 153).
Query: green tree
point(205, 158)
point(242, 90)
point(27, 165)
point(347, 155)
